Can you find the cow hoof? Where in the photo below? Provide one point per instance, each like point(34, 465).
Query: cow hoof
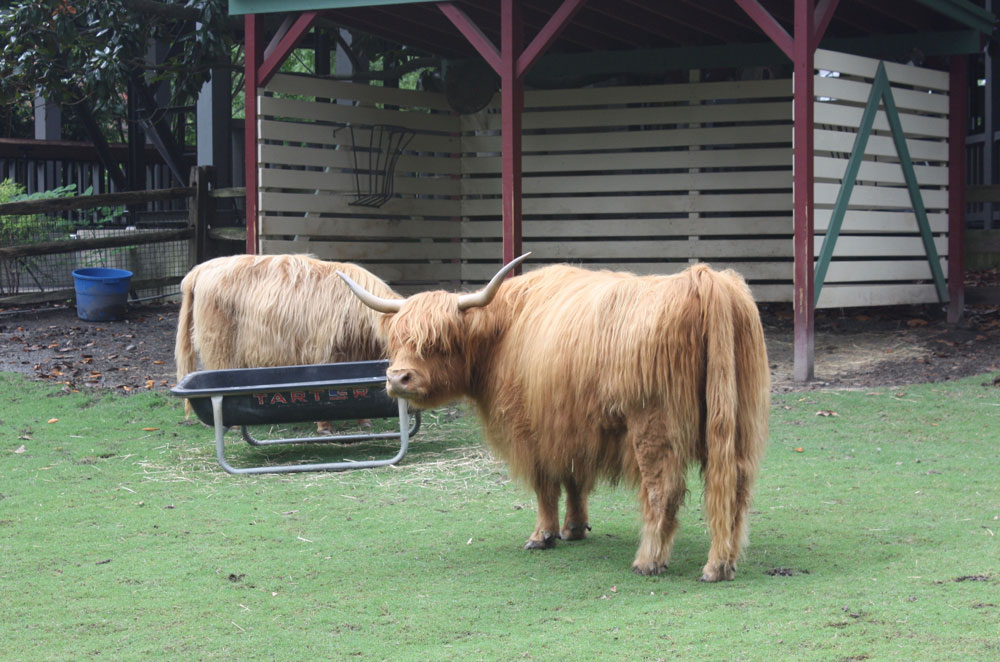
point(574, 532)
point(548, 541)
point(717, 572)
point(648, 569)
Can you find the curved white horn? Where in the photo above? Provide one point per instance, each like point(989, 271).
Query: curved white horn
point(375, 303)
point(485, 295)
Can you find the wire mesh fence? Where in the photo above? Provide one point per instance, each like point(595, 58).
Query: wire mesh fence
point(43, 241)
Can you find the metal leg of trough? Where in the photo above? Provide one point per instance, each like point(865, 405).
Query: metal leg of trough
point(342, 439)
point(404, 442)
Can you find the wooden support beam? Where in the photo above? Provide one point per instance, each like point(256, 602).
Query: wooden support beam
point(277, 53)
point(511, 106)
point(802, 203)
point(253, 55)
point(548, 34)
point(483, 45)
point(824, 13)
point(958, 79)
point(770, 26)
point(511, 61)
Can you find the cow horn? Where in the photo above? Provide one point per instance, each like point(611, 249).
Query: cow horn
point(375, 303)
point(485, 295)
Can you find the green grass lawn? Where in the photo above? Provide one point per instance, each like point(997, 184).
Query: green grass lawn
point(874, 536)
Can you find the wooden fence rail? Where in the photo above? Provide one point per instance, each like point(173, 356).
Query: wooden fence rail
point(201, 204)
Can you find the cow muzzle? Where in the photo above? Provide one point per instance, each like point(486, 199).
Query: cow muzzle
point(401, 383)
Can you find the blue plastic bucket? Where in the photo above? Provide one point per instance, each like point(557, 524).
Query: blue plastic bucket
point(101, 294)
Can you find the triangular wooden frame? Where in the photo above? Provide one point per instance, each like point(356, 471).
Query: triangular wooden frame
point(881, 93)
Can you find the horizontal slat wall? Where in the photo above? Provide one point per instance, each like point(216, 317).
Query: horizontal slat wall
point(308, 166)
point(879, 258)
point(647, 179)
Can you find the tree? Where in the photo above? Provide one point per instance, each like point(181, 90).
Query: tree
point(94, 56)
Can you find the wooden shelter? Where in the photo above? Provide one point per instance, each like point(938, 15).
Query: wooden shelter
point(632, 134)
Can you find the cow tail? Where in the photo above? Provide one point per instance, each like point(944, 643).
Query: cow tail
point(721, 400)
point(184, 355)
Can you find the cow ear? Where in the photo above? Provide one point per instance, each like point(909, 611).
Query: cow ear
point(485, 295)
point(375, 303)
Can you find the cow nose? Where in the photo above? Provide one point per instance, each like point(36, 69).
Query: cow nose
point(399, 380)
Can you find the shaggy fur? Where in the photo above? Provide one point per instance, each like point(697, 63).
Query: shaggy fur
point(249, 311)
point(581, 375)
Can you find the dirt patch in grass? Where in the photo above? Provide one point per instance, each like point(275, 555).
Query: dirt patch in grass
point(854, 348)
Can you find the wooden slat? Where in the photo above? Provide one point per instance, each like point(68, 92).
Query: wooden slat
point(621, 117)
point(635, 249)
point(615, 139)
point(843, 141)
point(847, 271)
point(626, 183)
point(361, 251)
point(314, 86)
point(323, 134)
point(881, 197)
point(345, 182)
point(640, 227)
point(373, 228)
point(335, 158)
point(639, 204)
point(846, 296)
point(874, 246)
point(866, 67)
point(328, 112)
point(884, 222)
point(844, 90)
point(482, 272)
point(339, 204)
point(577, 162)
point(675, 93)
point(850, 116)
point(877, 171)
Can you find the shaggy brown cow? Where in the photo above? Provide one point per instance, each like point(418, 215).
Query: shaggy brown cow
point(580, 375)
point(251, 311)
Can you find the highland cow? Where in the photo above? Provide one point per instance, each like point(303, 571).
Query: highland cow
point(252, 311)
point(581, 375)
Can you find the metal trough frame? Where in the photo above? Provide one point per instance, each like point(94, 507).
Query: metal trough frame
point(241, 383)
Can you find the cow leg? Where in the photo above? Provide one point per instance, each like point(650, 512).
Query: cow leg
point(324, 428)
point(576, 524)
point(661, 495)
point(726, 506)
point(547, 526)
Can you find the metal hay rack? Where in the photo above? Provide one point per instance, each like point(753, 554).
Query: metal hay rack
point(376, 150)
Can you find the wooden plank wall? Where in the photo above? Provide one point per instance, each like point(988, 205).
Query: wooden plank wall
point(307, 179)
point(879, 258)
point(646, 179)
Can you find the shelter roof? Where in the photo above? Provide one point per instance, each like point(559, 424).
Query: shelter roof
point(629, 25)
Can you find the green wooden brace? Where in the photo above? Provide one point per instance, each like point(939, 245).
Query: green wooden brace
point(881, 93)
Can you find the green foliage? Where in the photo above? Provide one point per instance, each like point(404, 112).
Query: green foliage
point(873, 537)
point(21, 229)
point(86, 49)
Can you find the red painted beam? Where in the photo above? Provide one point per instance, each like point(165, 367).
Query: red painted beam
point(473, 34)
point(286, 44)
point(824, 13)
point(769, 25)
point(802, 203)
point(254, 54)
point(548, 34)
point(511, 106)
point(958, 80)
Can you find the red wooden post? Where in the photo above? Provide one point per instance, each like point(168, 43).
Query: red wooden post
point(511, 105)
point(804, 50)
point(254, 53)
point(958, 88)
point(511, 62)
